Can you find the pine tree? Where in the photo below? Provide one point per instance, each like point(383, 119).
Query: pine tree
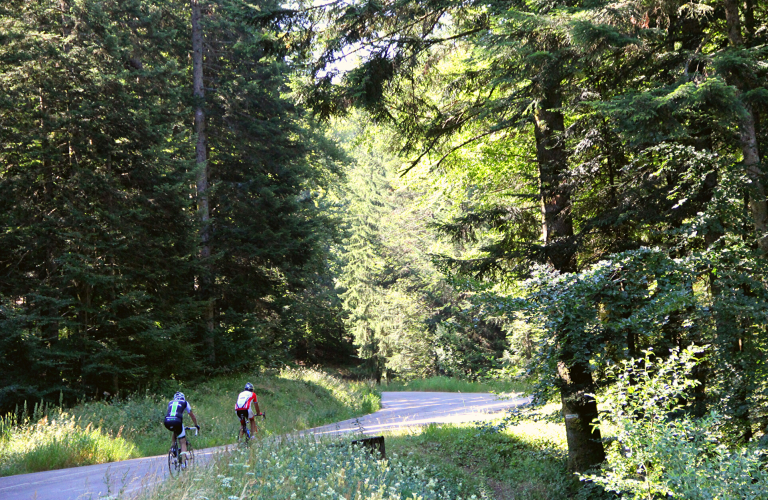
point(92, 192)
point(266, 164)
point(364, 264)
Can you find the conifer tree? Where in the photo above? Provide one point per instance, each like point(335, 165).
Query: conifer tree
point(265, 163)
point(95, 235)
point(100, 229)
point(365, 265)
point(205, 281)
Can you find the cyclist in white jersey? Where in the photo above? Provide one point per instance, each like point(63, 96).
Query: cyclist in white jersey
point(246, 403)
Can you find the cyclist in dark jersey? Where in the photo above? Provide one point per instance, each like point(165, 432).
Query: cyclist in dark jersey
point(174, 419)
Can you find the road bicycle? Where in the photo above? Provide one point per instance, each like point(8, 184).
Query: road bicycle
point(245, 432)
point(179, 460)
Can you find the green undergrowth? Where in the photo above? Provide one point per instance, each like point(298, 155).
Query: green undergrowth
point(504, 460)
point(59, 442)
point(448, 384)
point(98, 432)
point(306, 469)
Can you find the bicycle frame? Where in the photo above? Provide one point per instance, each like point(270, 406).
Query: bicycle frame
point(174, 464)
point(244, 427)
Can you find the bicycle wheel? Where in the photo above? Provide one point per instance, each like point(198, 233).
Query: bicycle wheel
point(190, 456)
point(173, 463)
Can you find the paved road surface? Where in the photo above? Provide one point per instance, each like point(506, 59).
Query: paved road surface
point(399, 409)
point(402, 409)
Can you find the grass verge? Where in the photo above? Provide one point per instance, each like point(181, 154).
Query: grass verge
point(57, 443)
point(522, 461)
point(99, 432)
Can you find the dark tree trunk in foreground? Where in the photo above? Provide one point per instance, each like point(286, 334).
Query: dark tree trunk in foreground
point(201, 168)
point(585, 447)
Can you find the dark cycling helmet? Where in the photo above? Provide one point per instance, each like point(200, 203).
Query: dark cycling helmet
point(249, 387)
point(179, 396)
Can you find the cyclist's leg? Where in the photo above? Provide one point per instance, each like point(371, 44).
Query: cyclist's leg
point(241, 415)
point(183, 439)
point(250, 417)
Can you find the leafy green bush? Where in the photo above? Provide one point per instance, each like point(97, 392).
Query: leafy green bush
point(656, 455)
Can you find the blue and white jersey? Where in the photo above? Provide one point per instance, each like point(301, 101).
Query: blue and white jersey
point(176, 409)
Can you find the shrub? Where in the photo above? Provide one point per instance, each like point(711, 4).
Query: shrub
point(656, 455)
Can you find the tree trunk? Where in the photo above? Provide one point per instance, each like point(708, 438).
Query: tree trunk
point(554, 190)
point(751, 159)
point(585, 447)
point(201, 170)
point(748, 138)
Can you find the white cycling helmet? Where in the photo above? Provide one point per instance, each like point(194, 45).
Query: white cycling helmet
point(179, 396)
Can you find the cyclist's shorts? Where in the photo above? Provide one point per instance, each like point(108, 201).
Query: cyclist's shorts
point(174, 425)
point(245, 413)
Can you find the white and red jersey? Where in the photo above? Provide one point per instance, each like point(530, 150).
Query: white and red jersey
point(244, 400)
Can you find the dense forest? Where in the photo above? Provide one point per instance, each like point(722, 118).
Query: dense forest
point(549, 190)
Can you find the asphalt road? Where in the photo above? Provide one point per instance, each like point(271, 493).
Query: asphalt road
point(403, 409)
point(399, 409)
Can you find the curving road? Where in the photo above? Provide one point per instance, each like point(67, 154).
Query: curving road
point(399, 409)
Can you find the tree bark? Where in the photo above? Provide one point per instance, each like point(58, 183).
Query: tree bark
point(202, 172)
point(748, 138)
point(554, 190)
point(751, 159)
point(585, 446)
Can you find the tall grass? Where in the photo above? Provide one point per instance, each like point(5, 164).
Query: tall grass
point(448, 384)
point(304, 468)
point(57, 443)
point(294, 399)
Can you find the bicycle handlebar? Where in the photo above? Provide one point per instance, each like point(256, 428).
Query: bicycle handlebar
point(197, 429)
